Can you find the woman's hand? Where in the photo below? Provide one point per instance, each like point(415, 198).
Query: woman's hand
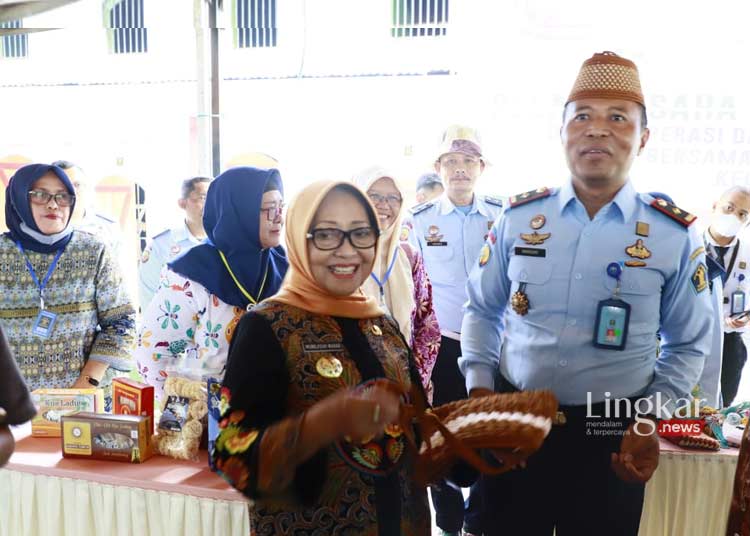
point(93, 369)
point(352, 413)
point(364, 414)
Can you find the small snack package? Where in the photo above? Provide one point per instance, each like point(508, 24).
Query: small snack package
point(213, 387)
point(184, 409)
point(130, 397)
point(118, 438)
point(52, 404)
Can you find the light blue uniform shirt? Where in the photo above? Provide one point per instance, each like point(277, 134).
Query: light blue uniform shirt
point(163, 248)
point(551, 347)
point(449, 242)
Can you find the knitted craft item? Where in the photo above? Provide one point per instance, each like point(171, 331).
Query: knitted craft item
point(607, 76)
point(515, 423)
point(701, 442)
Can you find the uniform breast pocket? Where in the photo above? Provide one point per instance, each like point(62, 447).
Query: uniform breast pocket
point(437, 260)
point(536, 274)
point(642, 290)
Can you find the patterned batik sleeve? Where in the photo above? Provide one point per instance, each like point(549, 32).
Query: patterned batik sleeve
point(256, 450)
point(113, 344)
point(168, 328)
point(426, 331)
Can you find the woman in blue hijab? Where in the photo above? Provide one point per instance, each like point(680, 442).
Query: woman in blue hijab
point(64, 311)
point(204, 292)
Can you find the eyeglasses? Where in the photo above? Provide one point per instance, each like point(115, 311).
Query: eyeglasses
point(40, 197)
point(274, 213)
point(377, 199)
point(730, 208)
point(329, 239)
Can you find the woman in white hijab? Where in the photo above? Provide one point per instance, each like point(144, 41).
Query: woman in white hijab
point(399, 281)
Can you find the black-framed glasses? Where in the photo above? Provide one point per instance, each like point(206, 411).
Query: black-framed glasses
point(326, 239)
point(40, 197)
point(274, 213)
point(392, 199)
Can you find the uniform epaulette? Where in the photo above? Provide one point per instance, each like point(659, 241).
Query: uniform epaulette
point(528, 197)
point(676, 213)
point(420, 208)
point(165, 231)
point(493, 200)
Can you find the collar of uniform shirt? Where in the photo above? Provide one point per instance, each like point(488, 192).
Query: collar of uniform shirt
point(183, 233)
point(624, 200)
point(708, 239)
point(447, 206)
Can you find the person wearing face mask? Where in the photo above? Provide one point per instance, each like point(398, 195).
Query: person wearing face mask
point(168, 244)
point(205, 291)
point(731, 215)
point(67, 318)
point(309, 397)
point(398, 280)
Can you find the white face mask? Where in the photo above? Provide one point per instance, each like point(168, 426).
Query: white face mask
point(726, 225)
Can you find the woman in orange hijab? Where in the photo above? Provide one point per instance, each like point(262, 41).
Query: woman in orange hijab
point(308, 428)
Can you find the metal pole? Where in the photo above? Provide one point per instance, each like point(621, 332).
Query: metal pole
point(215, 108)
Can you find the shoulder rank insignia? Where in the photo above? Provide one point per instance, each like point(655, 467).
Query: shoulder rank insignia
point(676, 213)
point(493, 200)
point(420, 208)
point(527, 197)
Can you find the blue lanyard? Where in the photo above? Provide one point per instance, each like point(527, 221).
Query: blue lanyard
point(44, 282)
point(381, 284)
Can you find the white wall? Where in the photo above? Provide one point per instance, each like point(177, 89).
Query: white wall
point(511, 63)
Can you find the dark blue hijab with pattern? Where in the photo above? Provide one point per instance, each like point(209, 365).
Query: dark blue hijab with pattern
point(18, 216)
point(231, 218)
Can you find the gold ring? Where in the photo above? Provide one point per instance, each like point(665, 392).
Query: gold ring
point(376, 414)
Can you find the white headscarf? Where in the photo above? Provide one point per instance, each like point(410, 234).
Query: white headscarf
point(399, 287)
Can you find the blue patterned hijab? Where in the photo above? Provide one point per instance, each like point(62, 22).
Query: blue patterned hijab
point(231, 219)
point(18, 215)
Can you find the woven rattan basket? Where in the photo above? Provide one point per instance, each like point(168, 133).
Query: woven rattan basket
point(515, 423)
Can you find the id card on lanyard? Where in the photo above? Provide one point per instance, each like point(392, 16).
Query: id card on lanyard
point(612, 316)
point(45, 320)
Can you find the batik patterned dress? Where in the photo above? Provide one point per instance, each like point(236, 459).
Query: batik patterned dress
point(95, 319)
point(283, 361)
point(425, 333)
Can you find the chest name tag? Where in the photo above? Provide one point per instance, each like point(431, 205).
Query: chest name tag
point(437, 243)
point(318, 347)
point(531, 252)
point(611, 327)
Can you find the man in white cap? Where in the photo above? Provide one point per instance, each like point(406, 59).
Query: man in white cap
point(568, 294)
point(449, 232)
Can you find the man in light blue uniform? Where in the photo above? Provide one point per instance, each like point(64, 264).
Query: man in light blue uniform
point(568, 294)
point(168, 244)
point(449, 232)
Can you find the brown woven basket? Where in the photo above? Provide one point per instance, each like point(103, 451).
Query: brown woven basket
point(515, 423)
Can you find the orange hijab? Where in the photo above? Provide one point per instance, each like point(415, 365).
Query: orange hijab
point(299, 287)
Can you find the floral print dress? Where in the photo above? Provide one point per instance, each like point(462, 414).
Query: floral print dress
point(184, 320)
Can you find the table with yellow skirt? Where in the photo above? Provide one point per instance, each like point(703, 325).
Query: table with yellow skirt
point(42, 493)
point(690, 492)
